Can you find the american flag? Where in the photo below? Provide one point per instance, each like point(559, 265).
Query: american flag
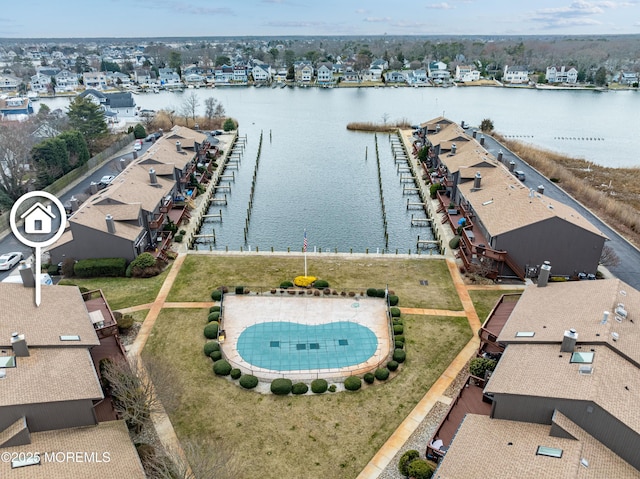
point(304, 244)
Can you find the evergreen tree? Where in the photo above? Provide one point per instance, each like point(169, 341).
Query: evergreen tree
point(87, 117)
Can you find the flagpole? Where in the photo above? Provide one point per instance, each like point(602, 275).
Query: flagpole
point(304, 247)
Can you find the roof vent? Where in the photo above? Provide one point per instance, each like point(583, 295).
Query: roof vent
point(477, 180)
point(3, 373)
point(453, 148)
point(111, 224)
point(615, 336)
point(569, 341)
point(585, 369)
point(153, 179)
point(543, 275)
point(605, 317)
point(620, 311)
point(178, 146)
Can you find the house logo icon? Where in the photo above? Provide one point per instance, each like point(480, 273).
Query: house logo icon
point(37, 219)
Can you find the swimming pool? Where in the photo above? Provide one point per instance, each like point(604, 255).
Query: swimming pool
point(291, 346)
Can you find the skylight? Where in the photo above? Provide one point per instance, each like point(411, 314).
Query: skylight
point(582, 357)
point(27, 460)
point(7, 361)
point(70, 337)
point(549, 451)
point(525, 334)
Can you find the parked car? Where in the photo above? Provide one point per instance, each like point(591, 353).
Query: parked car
point(106, 180)
point(216, 132)
point(9, 260)
point(150, 138)
point(137, 145)
point(519, 174)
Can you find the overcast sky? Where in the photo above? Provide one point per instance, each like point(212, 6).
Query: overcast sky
point(179, 18)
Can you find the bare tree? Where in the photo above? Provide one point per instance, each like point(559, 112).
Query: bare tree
point(210, 108)
point(170, 113)
point(190, 107)
point(609, 257)
point(16, 142)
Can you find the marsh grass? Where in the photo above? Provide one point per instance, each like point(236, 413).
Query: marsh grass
point(611, 193)
point(332, 435)
point(378, 127)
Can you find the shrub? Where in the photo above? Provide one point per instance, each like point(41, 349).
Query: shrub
point(139, 266)
point(393, 300)
point(215, 355)
point(286, 284)
point(211, 330)
point(372, 292)
point(178, 238)
point(303, 281)
point(398, 328)
point(478, 366)
point(320, 284)
point(399, 345)
point(281, 386)
point(221, 367)
point(380, 293)
point(183, 232)
point(392, 365)
point(405, 460)
point(454, 242)
point(248, 381)
point(216, 295)
point(400, 338)
point(381, 374)
point(369, 378)
point(433, 189)
point(239, 289)
point(319, 386)
point(235, 373)
point(52, 269)
point(397, 321)
point(96, 267)
point(420, 469)
point(213, 316)
point(210, 347)
point(332, 388)
point(125, 322)
point(395, 312)
point(399, 355)
point(352, 383)
point(139, 131)
point(299, 388)
point(229, 125)
point(213, 309)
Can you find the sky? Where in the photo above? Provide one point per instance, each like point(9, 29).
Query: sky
point(210, 18)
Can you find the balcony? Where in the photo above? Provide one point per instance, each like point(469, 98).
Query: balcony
point(166, 205)
point(157, 221)
point(100, 313)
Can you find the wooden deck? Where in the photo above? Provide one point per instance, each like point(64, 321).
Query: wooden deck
point(495, 322)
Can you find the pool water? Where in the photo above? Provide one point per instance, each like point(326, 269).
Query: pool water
point(290, 346)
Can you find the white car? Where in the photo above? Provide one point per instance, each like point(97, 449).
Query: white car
point(9, 260)
point(137, 145)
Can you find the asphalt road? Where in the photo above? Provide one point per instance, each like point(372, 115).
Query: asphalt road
point(629, 268)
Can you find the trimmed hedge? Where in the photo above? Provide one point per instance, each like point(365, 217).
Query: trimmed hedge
point(222, 368)
point(352, 383)
point(285, 285)
point(211, 330)
point(400, 338)
point(395, 312)
point(210, 347)
point(398, 321)
point(392, 365)
point(372, 292)
point(215, 355)
point(213, 309)
point(239, 289)
point(215, 316)
point(399, 355)
point(281, 386)
point(319, 386)
point(381, 374)
point(369, 378)
point(248, 381)
point(405, 461)
point(97, 267)
point(235, 373)
point(399, 345)
point(398, 329)
point(299, 388)
point(381, 293)
point(393, 300)
point(125, 322)
point(320, 284)
point(420, 469)
point(216, 295)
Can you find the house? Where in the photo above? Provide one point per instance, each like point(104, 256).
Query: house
point(37, 219)
point(114, 105)
point(66, 81)
point(168, 77)
point(376, 69)
point(94, 80)
point(261, 73)
point(515, 74)
point(628, 78)
point(562, 392)
point(324, 74)
point(350, 76)
point(240, 74)
point(466, 73)
point(281, 75)
point(15, 108)
point(303, 72)
point(143, 76)
point(223, 74)
point(40, 83)
point(194, 79)
point(9, 83)
point(51, 394)
point(394, 77)
point(438, 72)
point(561, 75)
point(118, 79)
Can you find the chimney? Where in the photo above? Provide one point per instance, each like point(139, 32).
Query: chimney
point(437, 127)
point(178, 146)
point(28, 278)
point(152, 177)
point(122, 164)
point(543, 276)
point(500, 156)
point(111, 225)
point(19, 345)
point(541, 189)
point(477, 180)
point(512, 166)
point(74, 203)
point(93, 188)
point(135, 155)
point(569, 341)
point(475, 132)
point(481, 140)
point(453, 148)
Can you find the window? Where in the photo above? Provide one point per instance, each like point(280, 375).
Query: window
point(549, 451)
point(525, 334)
point(582, 358)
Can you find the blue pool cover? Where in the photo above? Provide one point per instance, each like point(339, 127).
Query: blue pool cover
point(289, 346)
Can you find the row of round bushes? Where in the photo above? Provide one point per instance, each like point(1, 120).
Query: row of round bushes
point(381, 293)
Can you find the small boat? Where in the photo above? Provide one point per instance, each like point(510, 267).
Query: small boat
point(156, 90)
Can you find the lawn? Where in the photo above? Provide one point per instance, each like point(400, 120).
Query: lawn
point(200, 274)
point(332, 435)
point(123, 292)
point(485, 300)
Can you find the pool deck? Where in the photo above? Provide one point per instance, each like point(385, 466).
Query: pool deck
point(241, 312)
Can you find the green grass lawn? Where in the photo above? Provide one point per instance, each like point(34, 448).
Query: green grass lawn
point(200, 274)
point(484, 300)
point(332, 435)
point(123, 292)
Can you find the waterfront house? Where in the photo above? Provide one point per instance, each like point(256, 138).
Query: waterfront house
point(304, 72)
point(66, 81)
point(350, 76)
point(466, 73)
point(194, 79)
point(438, 72)
point(261, 73)
point(223, 74)
point(15, 108)
point(9, 83)
point(95, 80)
point(114, 105)
point(394, 77)
point(324, 74)
point(169, 78)
point(144, 76)
point(561, 75)
point(628, 78)
point(562, 394)
point(515, 74)
point(40, 83)
point(240, 74)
